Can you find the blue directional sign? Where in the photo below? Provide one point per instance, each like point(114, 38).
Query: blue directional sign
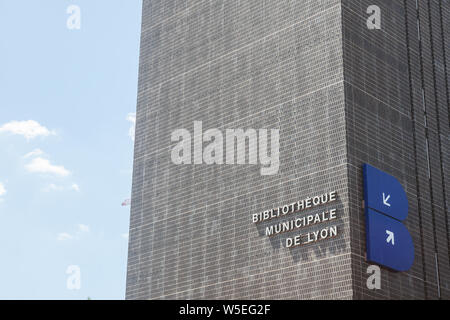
point(386, 205)
point(384, 193)
point(388, 242)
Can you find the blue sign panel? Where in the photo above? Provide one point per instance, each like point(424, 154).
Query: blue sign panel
point(388, 242)
point(384, 193)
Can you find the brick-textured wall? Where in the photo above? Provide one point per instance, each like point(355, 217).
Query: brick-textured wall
point(389, 125)
point(237, 64)
point(341, 95)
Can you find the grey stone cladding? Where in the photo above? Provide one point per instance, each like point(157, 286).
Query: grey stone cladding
point(340, 94)
point(397, 119)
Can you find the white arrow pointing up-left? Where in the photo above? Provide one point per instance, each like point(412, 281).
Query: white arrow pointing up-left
point(385, 200)
point(390, 237)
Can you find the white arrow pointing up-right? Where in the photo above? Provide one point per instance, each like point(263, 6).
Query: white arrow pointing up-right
point(385, 199)
point(390, 237)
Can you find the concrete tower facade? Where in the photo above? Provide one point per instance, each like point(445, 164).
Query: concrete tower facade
point(341, 94)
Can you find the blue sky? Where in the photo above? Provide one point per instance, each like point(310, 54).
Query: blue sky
point(65, 147)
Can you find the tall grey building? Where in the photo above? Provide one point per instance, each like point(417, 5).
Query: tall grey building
point(342, 93)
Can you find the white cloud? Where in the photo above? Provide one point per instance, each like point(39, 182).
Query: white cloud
point(131, 117)
point(2, 189)
point(53, 187)
point(34, 153)
point(41, 165)
point(125, 235)
point(83, 228)
point(29, 129)
point(63, 236)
